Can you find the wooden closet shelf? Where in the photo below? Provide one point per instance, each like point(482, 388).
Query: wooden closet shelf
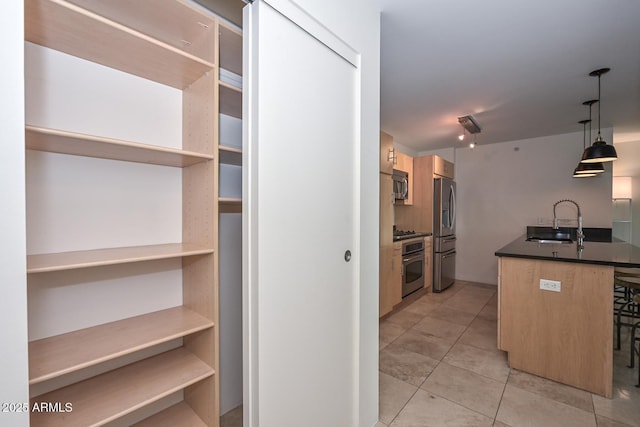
point(78, 144)
point(230, 155)
point(174, 416)
point(68, 28)
point(41, 263)
point(61, 354)
point(109, 396)
point(230, 100)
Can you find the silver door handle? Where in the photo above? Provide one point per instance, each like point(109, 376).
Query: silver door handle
point(449, 239)
point(413, 258)
point(448, 255)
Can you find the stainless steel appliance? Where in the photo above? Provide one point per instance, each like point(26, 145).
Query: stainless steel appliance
point(444, 233)
point(400, 184)
point(407, 234)
point(412, 267)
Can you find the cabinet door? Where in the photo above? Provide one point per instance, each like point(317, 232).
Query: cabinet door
point(302, 298)
point(442, 167)
point(398, 273)
point(386, 279)
point(387, 157)
point(386, 243)
point(386, 210)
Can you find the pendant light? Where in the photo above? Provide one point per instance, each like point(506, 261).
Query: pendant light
point(582, 171)
point(600, 151)
point(587, 168)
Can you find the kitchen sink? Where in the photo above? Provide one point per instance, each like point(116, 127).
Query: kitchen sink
point(549, 235)
point(549, 240)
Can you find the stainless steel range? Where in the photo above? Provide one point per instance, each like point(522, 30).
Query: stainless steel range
point(407, 234)
point(412, 266)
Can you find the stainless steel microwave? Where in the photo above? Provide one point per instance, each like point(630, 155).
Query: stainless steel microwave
point(400, 184)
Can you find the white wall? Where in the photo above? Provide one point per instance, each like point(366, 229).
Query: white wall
point(504, 187)
point(13, 304)
point(446, 153)
point(358, 23)
point(628, 165)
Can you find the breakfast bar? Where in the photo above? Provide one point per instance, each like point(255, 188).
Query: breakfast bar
point(555, 308)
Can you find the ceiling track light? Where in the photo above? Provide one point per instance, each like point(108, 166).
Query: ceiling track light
point(599, 151)
point(470, 124)
point(472, 144)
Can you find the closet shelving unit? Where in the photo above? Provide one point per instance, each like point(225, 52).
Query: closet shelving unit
point(175, 44)
point(230, 103)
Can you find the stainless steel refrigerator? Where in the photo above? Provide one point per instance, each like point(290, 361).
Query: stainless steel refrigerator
point(444, 233)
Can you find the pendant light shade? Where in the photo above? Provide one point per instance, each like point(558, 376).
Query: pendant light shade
point(600, 151)
point(583, 175)
point(588, 168)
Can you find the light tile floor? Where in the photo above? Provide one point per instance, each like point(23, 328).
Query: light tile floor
point(439, 366)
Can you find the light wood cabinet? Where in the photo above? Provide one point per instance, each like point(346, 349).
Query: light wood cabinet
point(386, 277)
point(386, 243)
point(442, 167)
point(387, 154)
point(175, 44)
point(390, 277)
point(396, 280)
point(566, 336)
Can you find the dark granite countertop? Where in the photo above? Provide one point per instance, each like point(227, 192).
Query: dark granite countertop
point(604, 253)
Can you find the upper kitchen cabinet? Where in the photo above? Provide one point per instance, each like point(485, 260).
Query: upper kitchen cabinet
point(387, 155)
point(442, 167)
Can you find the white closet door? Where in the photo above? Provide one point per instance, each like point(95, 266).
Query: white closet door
point(302, 144)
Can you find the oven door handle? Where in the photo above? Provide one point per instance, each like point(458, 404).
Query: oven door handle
point(413, 258)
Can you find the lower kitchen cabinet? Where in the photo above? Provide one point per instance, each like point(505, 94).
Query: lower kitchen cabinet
point(390, 277)
point(386, 275)
point(398, 272)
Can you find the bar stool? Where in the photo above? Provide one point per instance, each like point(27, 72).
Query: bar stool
point(626, 283)
point(635, 337)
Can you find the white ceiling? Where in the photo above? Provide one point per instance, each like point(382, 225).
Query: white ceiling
point(520, 68)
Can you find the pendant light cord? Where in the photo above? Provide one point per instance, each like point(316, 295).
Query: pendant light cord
point(599, 101)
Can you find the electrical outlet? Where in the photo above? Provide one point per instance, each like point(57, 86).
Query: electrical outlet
point(550, 285)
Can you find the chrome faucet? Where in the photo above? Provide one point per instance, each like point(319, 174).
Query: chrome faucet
point(580, 233)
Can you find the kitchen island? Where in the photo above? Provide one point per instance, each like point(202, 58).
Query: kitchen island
point(555, 309)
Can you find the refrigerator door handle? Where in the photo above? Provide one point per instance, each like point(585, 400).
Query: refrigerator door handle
point(452, 208)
